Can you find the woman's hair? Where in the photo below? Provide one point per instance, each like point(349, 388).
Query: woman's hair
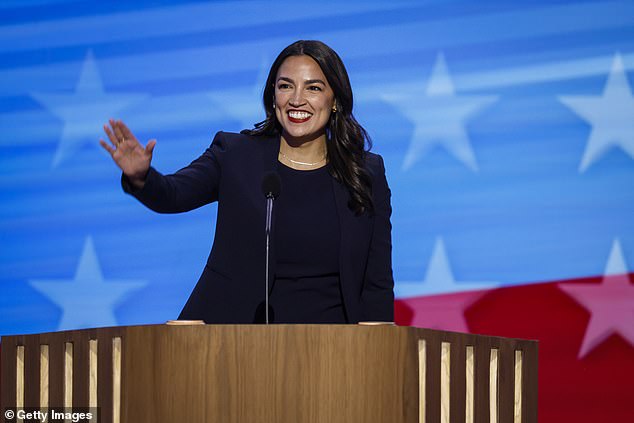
point(346, 140)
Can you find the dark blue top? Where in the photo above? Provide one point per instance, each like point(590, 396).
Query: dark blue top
point(306, 287)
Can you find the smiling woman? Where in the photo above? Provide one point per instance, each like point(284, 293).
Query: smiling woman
point(331, 236)
point(347, 140)
point(303, 104)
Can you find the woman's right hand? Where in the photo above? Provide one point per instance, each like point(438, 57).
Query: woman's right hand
point(127, 152)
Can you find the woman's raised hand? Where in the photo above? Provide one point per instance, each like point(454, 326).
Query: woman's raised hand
point(127, 152)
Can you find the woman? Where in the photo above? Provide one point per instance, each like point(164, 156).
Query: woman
point(331, 237)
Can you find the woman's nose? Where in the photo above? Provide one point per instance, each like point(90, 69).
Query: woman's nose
point(297, 99)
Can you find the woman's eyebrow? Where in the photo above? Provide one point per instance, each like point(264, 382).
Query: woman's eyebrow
point(308, 81)
point(314, 81)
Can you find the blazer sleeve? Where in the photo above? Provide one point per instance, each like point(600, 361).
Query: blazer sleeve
point(189, 188)
point(378, 287)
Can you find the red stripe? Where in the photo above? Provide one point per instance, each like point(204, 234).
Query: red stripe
point(596, 388)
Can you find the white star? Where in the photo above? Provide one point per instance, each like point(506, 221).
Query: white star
point(439, 302)
point(439, 278)
point(439, 116)
point(244, 104)
point(610, 303)
point(87, 300)
point(85, 110)
point(611, 116)
point(444, 312)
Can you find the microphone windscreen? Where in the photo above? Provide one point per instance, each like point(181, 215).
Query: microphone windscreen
point(271, 184)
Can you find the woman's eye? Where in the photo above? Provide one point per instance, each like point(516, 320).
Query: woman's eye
point(283, 86)
point(314, 88)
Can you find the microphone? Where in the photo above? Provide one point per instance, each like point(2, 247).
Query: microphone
point(271, 185)
point(271, 188)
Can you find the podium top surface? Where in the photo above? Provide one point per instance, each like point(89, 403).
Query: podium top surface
point(385, 329)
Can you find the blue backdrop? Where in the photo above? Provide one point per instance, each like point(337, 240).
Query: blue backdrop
point(507, 129)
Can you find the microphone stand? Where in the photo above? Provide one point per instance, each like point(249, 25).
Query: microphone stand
point(269, 212)
point(271, 189)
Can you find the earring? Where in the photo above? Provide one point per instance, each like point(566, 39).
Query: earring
point(334, 108)
point(273, 105)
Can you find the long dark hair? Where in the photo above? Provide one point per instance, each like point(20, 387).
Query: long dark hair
point(346, 140)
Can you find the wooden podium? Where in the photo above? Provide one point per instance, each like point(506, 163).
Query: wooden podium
point(275, 373)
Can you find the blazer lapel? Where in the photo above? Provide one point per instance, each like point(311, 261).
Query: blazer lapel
point(356, 233)
point(270, 153)
point(346, 223)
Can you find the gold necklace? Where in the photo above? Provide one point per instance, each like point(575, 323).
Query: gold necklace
point(302, 163)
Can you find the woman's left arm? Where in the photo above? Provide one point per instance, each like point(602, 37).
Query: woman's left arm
point(378, 287)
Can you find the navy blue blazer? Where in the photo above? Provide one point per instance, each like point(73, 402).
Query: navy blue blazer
point(231, 287)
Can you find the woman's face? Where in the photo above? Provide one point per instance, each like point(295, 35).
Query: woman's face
point(303, 99)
